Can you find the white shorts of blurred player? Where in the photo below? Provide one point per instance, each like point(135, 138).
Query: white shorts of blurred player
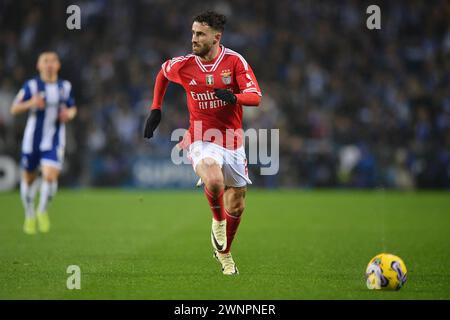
point(232, 162)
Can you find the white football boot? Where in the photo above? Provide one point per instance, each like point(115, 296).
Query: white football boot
point(226, 261)
point(219, 234)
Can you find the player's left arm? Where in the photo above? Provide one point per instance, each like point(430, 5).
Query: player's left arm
point(69, 110)
point(67, 114)
point(250, 93)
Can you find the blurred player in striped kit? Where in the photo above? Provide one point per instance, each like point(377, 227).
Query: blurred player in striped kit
point(49, 103)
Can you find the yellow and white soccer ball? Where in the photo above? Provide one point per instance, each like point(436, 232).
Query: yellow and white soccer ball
point(386, 272)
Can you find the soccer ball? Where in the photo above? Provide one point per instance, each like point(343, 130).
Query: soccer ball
point(386, 272)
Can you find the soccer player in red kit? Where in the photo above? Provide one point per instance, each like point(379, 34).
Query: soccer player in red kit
point(218, 82)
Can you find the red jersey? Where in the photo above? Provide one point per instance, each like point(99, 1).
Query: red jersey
point(209, 115)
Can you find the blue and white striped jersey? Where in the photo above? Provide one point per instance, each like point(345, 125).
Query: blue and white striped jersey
point(43, 130)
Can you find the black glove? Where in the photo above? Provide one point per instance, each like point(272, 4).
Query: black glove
point(152, 123)
point(225, 95)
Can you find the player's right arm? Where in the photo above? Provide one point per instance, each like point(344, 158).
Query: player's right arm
point(24, 101)
point(169, 72)
point(154, 118)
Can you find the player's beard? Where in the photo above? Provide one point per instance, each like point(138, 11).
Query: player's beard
point(203, 50)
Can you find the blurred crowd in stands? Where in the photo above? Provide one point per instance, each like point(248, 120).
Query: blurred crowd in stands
point(355, 107)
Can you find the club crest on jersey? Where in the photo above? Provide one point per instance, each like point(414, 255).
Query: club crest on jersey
point(226, 76)
point(209, 80)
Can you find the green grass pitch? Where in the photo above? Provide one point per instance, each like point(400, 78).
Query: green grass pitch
point(291, 245)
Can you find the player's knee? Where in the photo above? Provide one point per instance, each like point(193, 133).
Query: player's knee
point(50, 177)
point(236, 206)
point(214, 184)
point(236, 201)
point(29, 177)
point(212, 177)
point(237, 209)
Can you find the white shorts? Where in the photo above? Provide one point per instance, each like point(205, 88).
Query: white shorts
point(232, 162)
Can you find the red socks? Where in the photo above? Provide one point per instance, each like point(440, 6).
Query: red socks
point(216, 205)
point(219, 214)
point(232, 226)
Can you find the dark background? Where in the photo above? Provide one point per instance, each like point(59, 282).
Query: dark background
point(355, 107)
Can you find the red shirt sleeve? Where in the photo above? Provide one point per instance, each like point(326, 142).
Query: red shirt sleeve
point(159, 90)
point(245, 77)
point(169, 72)
point(250, 99)
point(171, 69)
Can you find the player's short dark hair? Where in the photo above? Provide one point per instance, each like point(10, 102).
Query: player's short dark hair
point(213, 19)
point(49, 51)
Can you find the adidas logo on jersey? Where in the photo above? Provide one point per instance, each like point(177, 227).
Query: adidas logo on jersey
point(193, 82)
